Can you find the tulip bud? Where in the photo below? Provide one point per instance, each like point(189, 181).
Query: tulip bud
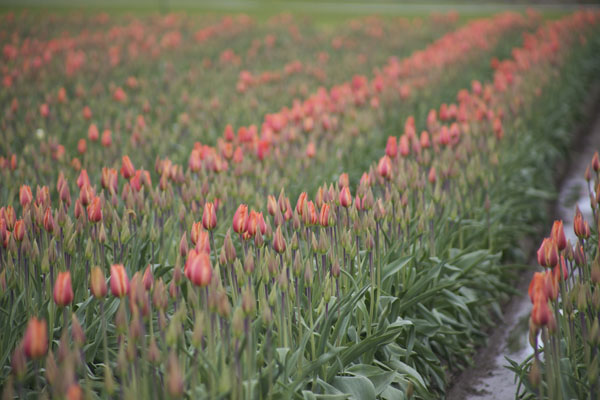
point(279, 241)
point(77, 331)
point(148, 278)
point(19, 362)
point(384, 167)
point(119, 282)
point(230, 252)
point(558, 234)
point(25, 196)
point(345, 197)
point(199, 269)
point(63, 291)
point(94, 210)
point(239, 218)
point(35, 342)
point(209, 216)
point(127, 169)
point(183, 246)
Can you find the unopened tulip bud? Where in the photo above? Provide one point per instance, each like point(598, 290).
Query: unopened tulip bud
point(77, 331)
point(174, 376)
point(19, 362)
point(52, 373)
point(535, 375)
point(183, 246)
point(148, 278)
point(159, 296)
point(249, 263)
point(308, 275)
point(230, 252)
point(279, 241)
point(48, 221)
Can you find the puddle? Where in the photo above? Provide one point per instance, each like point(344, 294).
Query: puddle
point(489, 378)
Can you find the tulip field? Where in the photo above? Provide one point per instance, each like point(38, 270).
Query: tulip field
point(224, 207)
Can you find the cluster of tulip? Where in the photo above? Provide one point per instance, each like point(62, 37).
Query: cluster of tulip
point(370, 289)
point(566, 301)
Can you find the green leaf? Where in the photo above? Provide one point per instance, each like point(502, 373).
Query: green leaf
point(358, 387)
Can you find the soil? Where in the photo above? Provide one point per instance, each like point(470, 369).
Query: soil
point(488, 378)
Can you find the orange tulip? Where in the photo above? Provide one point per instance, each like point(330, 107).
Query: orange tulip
point(119, 282)
point(63, 291)
point(209, 216)
point(98, 283)
point(35, 342)
point(127, 169)
point(94, 210)
point(345, 197)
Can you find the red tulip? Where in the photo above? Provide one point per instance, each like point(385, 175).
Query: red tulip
point(127, 169)
point(19, 230)
point(48, 220)
point(119, 282)
point(345, 197)
point(148, 278)
point(431, 177)
point(558, 234)
point(540, 314)
point(324, 216)
point(251, 224)
point(391, 148)
point(209, 216)
point(93, 134)
point(98, 283)
point(279, 241)
point(25, 196)
point(239, 218)
point(63, 291)
point(310, 150)
point(35, 342)
point(300, 203)
point(81, 146)
point(343, 180)
point(94, 210)
point(198, 268)
point(106, 138)
point(384, 167)
point(83, 179)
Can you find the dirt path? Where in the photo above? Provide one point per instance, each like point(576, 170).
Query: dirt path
point(489, 378)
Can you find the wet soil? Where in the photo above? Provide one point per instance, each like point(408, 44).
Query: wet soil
point(488, 378)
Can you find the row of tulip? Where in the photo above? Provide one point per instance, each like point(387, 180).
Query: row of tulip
point(372, 292)
point(564, 331)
